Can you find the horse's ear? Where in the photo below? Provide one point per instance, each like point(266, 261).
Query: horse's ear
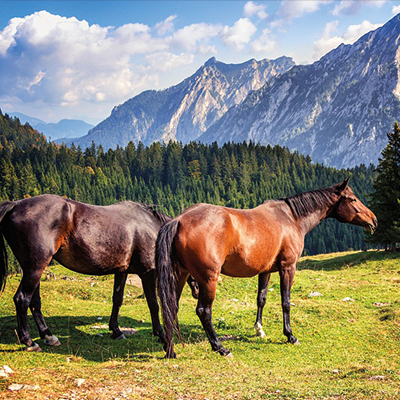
point(343, 185)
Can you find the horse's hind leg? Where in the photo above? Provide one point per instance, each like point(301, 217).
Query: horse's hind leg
point(194, 287)
point(22, 299)
point(263, 280)
point(36, 310)
point(204, 312)
point(149, 288)
point(118, 295)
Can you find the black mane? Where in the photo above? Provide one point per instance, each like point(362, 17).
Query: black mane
point(163, 218)
point(303, 204)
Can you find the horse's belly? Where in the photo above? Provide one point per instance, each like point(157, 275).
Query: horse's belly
point(90, 263)
point(240, 268)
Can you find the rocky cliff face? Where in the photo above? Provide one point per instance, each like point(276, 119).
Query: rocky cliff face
point(185, 111)
point(338, 109)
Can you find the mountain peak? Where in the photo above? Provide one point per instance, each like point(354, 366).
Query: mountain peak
point(210, 61)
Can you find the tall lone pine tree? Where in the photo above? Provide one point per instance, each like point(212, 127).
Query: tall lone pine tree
point(385, 200)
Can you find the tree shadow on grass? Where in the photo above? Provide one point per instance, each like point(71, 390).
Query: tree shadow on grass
point(89, 338)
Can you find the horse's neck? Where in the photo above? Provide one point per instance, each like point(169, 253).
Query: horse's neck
point(310, 221)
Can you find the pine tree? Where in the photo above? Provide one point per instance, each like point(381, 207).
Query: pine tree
point(385, 200)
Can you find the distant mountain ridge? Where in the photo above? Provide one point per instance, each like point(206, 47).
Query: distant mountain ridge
point(338, 109)
point(183, 112)
point(65, 128)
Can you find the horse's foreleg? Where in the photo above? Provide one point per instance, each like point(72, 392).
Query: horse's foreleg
point(204, 312)
point(22, 301)
point(118, 295)
point(36, 310)
point(263, 280)
point(286, 277)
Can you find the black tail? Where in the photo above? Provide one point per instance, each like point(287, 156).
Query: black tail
point(5, 207)
point(166, 282)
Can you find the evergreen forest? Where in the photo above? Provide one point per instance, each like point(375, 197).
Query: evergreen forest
point(174, 176)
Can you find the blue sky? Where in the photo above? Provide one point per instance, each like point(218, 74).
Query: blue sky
point(78, 59)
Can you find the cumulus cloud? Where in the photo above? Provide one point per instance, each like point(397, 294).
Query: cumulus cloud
point(165, 61)
point(189, 37)
point(328, 41)
point(351, 7)
point(62, 60)
point(165, 26)
point(239, 34)
point(296, 9)
point(395, 10)
point(265, 43)
point(251, 9)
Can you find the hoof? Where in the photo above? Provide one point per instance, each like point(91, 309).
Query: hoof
point(293, 340)
point(259, 330)
point(117, 335)
point(120, 337)
point(173, 355)
point(35, 347)
point(225, 352)
point(51, 341)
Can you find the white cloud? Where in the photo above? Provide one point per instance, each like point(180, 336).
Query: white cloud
point(190, 36)
point(165, 61)
point(251, 8)
point(296, 9)
point(351, 7)
point(265, 43)
point(165, 26)
point(395, 10)
point(239, 34)
point(328, 41)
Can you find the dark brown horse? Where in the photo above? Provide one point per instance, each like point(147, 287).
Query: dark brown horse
point(207, 240)
point(95, 240)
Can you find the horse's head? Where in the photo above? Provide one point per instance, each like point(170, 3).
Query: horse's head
point(349, 209)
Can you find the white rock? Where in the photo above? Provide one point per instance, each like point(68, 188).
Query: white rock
point(15, 387)
point(314, 294)
point(347, 299)
point(7, 369)
point(79, 382)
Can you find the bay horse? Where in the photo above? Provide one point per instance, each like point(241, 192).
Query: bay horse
point(95, 240)
point(207, 240)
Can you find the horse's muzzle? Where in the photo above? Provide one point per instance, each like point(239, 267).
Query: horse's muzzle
point(372, 227)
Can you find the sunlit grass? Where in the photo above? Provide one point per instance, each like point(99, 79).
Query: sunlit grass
point(349, 349)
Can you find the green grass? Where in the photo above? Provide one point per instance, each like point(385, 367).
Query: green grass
point(349, 349)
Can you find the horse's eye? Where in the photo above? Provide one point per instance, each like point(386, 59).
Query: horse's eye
point(353, 199)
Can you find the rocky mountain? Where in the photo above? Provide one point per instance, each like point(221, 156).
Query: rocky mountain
point(337, 109)
point(185, 111)
point(66, 128)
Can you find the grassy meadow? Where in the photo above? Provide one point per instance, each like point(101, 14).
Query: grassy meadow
point(349, 349)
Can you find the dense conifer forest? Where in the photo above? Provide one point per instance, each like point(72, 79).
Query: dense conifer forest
point(173, 176)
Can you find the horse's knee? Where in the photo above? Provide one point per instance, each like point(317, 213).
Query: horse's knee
point(200, 311)
point(21, 301)
point(286, 306)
